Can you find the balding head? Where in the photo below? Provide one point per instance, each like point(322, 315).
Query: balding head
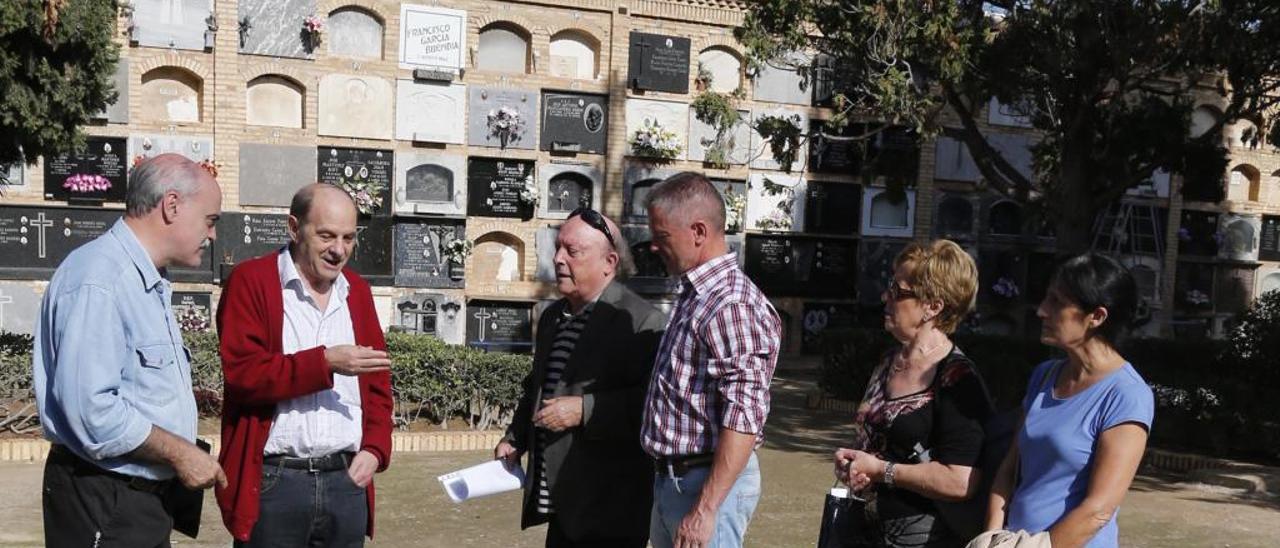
point(306, 197)
point(151, 179)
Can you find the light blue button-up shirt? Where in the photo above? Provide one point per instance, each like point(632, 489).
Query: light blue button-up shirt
point(109, 361)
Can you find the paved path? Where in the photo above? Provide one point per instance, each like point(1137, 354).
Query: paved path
point(413, 510)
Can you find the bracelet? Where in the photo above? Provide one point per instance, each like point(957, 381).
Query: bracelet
point(887, 478)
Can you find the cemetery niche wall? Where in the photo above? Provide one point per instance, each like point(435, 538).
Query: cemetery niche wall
point(422, 254)
point(500, 188)
point(197, 148)
point(1269, 239)
point(658, 63)
point(365, 174)
point(776, 202)
point(271, 174)
point(502, 117)
point(500, 326)
point(574, 122)
point(431, 183)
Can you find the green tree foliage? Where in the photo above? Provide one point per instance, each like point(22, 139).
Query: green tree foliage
point(56, 65)
point(1111, 86)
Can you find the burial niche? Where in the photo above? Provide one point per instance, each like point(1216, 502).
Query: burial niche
point(573, 55)
point(722, 66)
point(955, 217)
point(1005, 219)
point(886, 214)
point(499, 257)
point(429, 183)
point(503, 47)
point(1245, 184)
point(171, 94)
point(354, 32)
point(567, 192)
point(273, 100)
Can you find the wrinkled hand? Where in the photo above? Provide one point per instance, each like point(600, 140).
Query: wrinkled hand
point(559, 414)
point(362, 467)
point(198, 470)
point(695, 529)
point(347, 359)
point(847, 471)
point(506, 452)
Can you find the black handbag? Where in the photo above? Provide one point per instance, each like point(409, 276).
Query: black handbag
point(844, 522)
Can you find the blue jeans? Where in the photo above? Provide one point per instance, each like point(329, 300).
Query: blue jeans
point(301, 508)
point(673, 498)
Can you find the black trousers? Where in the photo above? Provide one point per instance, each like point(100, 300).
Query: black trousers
point(87, 506)
point(557, 539)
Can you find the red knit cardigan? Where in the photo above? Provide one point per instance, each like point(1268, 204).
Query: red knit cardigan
point(258, 374)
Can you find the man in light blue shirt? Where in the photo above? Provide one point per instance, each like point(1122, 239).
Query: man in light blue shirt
point(112, 378)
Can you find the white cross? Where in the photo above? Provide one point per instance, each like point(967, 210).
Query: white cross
point(483, 316)
point(4, 299)
point(41, 223)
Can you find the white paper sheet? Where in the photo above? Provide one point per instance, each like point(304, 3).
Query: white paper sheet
point(481, 480)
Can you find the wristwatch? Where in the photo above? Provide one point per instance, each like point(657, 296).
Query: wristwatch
point(887, 478)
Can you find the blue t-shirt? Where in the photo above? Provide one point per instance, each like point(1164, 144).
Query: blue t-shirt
point(1057, 441)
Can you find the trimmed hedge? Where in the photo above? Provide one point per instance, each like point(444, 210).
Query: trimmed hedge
point(429, 379)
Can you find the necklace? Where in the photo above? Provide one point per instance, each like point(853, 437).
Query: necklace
point(901, 361)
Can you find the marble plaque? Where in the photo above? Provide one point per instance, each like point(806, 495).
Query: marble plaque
point(420, 259)
point(1269, 240)
point(431, 112)
point(271, 174)
point(1240, 237)
point(637, 181)
point(574, 122)
point(176, 24)
point(762, 157)
point(170, 94)
point(818, 318)
point(432, 37)
point(193, 310)
point(197, 148)
point(372, 256)
point(96, 173)
point(19, 308)
point(500, 326)
point(1198, 234)
point(274, 27)
point(566, 187)
point(355, 168)
point(274, 101)
point(832, 208)
point(431, 314)
point(658, 63)
point(734, 145)
point(355, 106)
point(502, 117)
point(785, 80)
point(544, 245)
point(952, 161)
point(670, 116)
point(495, 186)
point(354, 32)
point(724, 67)
point(886, 215)
point(244, 236)
point(775, 202)
point(117, 112)
point(955, 217)
point(430, 182)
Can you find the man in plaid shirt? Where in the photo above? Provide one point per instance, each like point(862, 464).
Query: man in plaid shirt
point(709, 393)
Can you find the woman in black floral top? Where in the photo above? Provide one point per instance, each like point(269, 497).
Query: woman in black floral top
point(918, 431)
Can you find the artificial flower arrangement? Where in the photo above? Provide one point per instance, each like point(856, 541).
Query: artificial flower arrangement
point(84, 183)
point(505, 123)
point(366, 193)
point(735, 208)
point(457, 251)
point(651, 140)
point(313, 26)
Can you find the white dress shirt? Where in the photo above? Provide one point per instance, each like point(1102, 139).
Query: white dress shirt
point(328, 421)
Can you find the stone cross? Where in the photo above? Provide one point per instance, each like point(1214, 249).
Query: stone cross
point(483, 316)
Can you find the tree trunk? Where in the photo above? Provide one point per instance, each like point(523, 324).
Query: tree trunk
point(1072, 205)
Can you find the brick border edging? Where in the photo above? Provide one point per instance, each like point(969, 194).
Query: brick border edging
point(35, 450)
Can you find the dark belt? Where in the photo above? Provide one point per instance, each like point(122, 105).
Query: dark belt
point(60, 453)
point(327, 463)
point(679, 466)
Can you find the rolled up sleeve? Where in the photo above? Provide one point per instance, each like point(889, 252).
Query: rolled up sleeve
point(744, 342)
point(92, 355)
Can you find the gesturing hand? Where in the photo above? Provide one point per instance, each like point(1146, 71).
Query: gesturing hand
point(347, 359)
point(559, 413)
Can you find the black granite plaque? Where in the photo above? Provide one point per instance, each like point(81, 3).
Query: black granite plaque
point(574, 122)
point(500, 326)
point(782, 265)
point(419, 254)
point(820, 317)
point(876, 260)
point(243, 236)
point(494, 187)
point(832, 208)
point(659, 63)
point(193, 310)
point(34, 240)
point(371, 257)
point(568, 191)
point(365, 173)
point(1269, 248)
point(98, 173)
point(1198, 234)
point(831, 152)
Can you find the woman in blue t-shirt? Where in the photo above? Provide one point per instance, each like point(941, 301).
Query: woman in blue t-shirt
point(1085, 418)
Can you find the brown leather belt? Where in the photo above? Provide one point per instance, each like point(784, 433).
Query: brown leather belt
point(60, 453)
point(678, 466)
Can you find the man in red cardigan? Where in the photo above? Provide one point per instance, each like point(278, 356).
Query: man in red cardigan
point(307, 411)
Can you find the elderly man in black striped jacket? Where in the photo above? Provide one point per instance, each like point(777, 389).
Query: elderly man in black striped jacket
point(579, 418)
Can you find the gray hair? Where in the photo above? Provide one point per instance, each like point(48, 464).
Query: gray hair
point(688, 196)
point(154, 177)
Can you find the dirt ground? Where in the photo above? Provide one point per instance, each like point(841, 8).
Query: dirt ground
point(413, 510)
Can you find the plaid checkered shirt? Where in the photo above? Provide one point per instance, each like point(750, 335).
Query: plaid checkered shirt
point(714, 363)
